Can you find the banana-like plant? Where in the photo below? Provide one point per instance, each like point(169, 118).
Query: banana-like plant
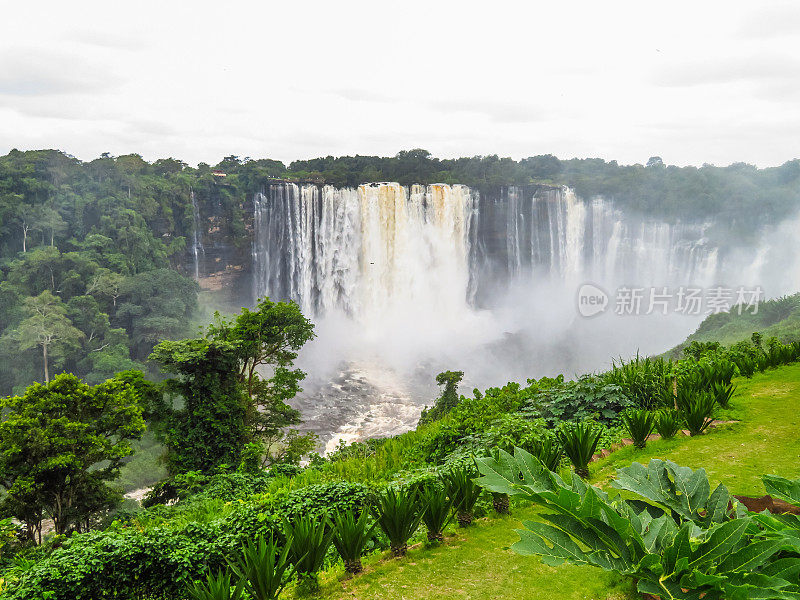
point(438, 512)
point(264, 568)
point(579, 441)
point(639, 424)
point(676, 538)
point(350, 537)
point(398, 514)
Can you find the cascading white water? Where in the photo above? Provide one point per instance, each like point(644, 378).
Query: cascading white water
point(363, 251)
point(197, 241)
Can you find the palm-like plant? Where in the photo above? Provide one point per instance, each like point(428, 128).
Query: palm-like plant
point(668, 423)
point(463, 492)
point(309, 542)
point(350, 537)
point(398, 514)
point(438, 512)
point(579, 441)
point(216, 587)
point(723, 394)
point(639, 424)
point(550, 452)
point(696, 409)
point(264, 568)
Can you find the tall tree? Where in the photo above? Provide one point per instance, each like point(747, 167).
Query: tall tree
point(46, 326)
point(59, 445)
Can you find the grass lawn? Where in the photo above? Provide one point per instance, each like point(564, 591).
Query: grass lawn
point(766, 440)
point(476, 562)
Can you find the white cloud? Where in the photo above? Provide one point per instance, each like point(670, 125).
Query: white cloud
point(692, 82)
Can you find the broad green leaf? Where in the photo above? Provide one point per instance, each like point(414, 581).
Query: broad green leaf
point(722, 540)
point(786, 489)
point(750, 557)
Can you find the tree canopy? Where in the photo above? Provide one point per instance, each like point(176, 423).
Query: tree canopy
point(60, 443)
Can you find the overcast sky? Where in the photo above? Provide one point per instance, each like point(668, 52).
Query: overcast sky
point(693, 82)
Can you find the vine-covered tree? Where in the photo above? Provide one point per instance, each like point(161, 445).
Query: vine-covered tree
point(226, 402)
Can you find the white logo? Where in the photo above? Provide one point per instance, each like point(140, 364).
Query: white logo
point(591, 300)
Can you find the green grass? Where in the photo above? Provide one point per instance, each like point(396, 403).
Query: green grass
point(779, 317)
point(477, 562)
point(474, 563)
point(766, 440)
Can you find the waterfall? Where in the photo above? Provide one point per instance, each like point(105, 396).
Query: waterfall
point(197, 237)
point(370, 251)
point(363, 251)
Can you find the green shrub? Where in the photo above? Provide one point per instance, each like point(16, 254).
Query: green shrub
point(350, 537)
point(668, 423)
point(579, 441)
point(331, 498)
point(463, 492)
point(639, 424)
point(642, 380)
point(398, 514)
point(263, 568)
point(696, 408)
point(723, 394)
point(308, 540)
point(217, 587)
point(438, 512)
point(588, 397)
point(549, 451)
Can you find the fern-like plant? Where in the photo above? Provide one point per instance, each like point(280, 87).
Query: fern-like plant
point(579, 441)
point(350, 537)
point(217, 587)
point(309, 542)
point(463, 492)
point(438, 512)
point(639, 424)
point(696, 409)
point(668, 423)
point(263, 568)
point(398, 514)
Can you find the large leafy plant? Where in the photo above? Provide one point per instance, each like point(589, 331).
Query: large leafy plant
point(589, 396)
point(670, 532)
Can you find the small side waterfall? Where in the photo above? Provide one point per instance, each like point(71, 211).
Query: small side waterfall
point(198, 252)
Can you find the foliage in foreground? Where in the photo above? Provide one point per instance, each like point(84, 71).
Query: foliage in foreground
point(676, 537)
point(263, 570)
